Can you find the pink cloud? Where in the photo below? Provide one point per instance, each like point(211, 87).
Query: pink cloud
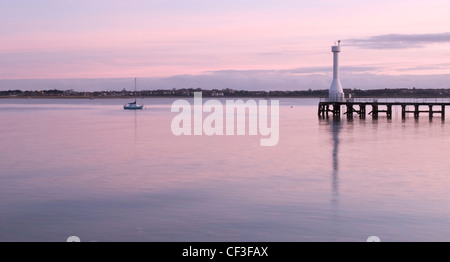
point(165, 40)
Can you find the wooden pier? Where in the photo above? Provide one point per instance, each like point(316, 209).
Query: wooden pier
point(376, 108)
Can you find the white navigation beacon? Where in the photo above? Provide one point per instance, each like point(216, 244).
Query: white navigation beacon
point(336, 92)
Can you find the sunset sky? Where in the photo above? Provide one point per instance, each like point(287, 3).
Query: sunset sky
point(254, 44)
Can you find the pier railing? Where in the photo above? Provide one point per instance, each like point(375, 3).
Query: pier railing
point(390, 100)
point(431, 106)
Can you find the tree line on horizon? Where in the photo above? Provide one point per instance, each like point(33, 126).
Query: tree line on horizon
point(189, 92)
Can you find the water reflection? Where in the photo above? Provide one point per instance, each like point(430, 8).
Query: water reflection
point(332, 128)
point(135, 132)
point(135, 128)
point(335, 129)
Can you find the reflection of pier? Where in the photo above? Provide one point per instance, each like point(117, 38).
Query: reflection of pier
point(335, 130)
point(360, 108)
point(334, 127)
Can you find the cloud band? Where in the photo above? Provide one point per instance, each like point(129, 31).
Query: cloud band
point(399, 41)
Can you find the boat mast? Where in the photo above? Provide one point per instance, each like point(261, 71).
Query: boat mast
point(135, 89)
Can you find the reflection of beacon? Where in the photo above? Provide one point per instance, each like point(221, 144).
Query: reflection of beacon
point(336, 93)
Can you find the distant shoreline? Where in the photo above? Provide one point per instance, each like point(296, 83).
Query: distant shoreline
point(132, 97)
point(225, 93)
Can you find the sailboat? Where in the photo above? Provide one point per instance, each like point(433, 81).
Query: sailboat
point(133, 105)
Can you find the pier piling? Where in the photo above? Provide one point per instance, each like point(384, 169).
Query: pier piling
point(361, 109)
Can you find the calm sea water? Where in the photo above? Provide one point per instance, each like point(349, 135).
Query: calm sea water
point(93, 170)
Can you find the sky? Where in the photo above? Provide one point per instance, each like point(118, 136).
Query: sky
point(240, 44)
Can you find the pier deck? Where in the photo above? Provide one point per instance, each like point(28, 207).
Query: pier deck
point(361, 108)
